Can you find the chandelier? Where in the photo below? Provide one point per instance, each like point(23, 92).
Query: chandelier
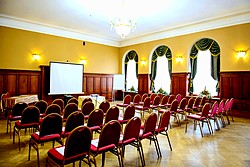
point(123, 25)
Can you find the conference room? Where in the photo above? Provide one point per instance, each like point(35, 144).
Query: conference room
point(178, 75)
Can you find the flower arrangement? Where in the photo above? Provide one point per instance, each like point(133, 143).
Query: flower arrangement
point(161, 91)
point(205, 92)
point(132, 89)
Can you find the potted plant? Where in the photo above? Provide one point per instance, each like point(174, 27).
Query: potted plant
point(132, 89)
point(161, 91)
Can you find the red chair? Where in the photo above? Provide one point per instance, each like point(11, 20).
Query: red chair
point(197, 102)
point(60, 102)
point(105, 105)
point(160, 95)
point(15, 114)
point(144, 107)
point(230, 108)
point(112, 114)
point(148, 132)
point(152, 97)
point(69, 108)
point(171, 98)
point(212, 114)
point(126, 102)
point(173, 111)
point(76, 148)
point(95, 120)
point(87, 108)
point(136, 99)
point(182, 106)
point(50, 130)
point(42, 105)
point(108, 141)
point(203, 117)
point(163, 125)
point(225, 110)
point(74, 120)
point(128, 114)
point(53, 108)
point(219, 113)
point(73, 100)
point(189, 107)
point(143, 97)
point(156, 103)
point(131, 137)
point(178, 98)
point(164, 102)
point(29, 119)
point(88, 99)
point(202, 102)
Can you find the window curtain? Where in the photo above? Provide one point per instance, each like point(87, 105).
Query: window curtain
point(160, 51)
point(132, 55)
point(214, 49)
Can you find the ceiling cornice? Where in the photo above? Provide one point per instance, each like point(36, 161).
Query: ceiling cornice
point(225, 21)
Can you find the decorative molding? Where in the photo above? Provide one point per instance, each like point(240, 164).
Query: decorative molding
point(224, 21)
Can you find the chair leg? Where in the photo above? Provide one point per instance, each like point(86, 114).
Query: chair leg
point(143, 159)
point(103, 158)
point(200, 128)
point(158, 150)
point(168, 141)
point(138, 145)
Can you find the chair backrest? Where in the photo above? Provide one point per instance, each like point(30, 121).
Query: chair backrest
point(73, 100)
point(42, 105)
point(74, 120)
point(214, 108)
point(203, 100)
point(60, 102)
point(30, 115)
point(150, 124)
point(87, 108)
point(183, 103)
point(53, 108)
point(221, 106)
point(18, 109)
point(146, 102)
point(152, 96)
point(164, 121)
point(171, 99)
point(77, 144)
point(127, 99)
point(132, 129)
point(136, 99)
point(143, 97)
point(88, 99)
point(105, 105)
point(164, 100)
point(95, 118)
point(4, 95)
point(156, 100)
point(205, 110)
point(110, 134)
point(69, 108)
point(129, 112)
point(197, 102)
point(231, 104)
point(112, 114)
point(190, 103)
point(174, 106)
point(160, 95)
point(178, 98)
point(51, 124)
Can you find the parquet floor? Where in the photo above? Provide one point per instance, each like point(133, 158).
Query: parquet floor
point(229, 147)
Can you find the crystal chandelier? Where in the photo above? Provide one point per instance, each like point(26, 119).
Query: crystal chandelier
point(123, 25)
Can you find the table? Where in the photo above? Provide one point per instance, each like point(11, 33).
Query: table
point(11, 101)
point(96, 100)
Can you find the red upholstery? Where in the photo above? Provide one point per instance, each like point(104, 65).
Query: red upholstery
point(164, 102)
point(112, 114)
point(105, 105)
point(87, 108)
point(136, 99)
point(126, 102)
point(144, 107)
point(95, 119)
point(73, 100)
point(69, 108)
point(60, 102)
point(128, 114)
point(143, 97)
point(170, 100)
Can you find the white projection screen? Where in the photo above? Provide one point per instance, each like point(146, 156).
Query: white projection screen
point(66, 78)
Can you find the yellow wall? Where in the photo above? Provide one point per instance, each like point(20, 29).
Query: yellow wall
point(17, 47)
point(230, 39)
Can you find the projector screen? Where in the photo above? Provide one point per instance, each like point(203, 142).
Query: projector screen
point(66, 78)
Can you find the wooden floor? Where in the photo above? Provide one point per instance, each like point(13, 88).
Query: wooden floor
point(229, 147)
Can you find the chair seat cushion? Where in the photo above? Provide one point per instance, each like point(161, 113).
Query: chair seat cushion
point(122, 105)
point(144, 136)
point(35, 136)
point(14, 118)
point(161, 111)
point(19, 125)
point(196, 117)
point(95, 128)
point(95, 150)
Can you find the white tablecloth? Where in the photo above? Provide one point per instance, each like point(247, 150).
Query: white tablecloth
point(96, 100)
point(11, 101)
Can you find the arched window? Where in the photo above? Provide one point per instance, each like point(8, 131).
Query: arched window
point(205, 67)
point(131, 70)
point(161, 69)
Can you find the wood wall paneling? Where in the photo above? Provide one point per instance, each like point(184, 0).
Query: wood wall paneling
point(179, 84)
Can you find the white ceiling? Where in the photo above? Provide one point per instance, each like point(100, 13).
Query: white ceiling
point(88, 20)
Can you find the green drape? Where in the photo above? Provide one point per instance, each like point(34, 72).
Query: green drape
point(132, 55)
point(160, 51)
point(205, 44)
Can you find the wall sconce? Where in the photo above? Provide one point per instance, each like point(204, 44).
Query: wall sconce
point(36, 56)
point(179, 59)
point(241, 53)
point(143, 62)
point(83, 61)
